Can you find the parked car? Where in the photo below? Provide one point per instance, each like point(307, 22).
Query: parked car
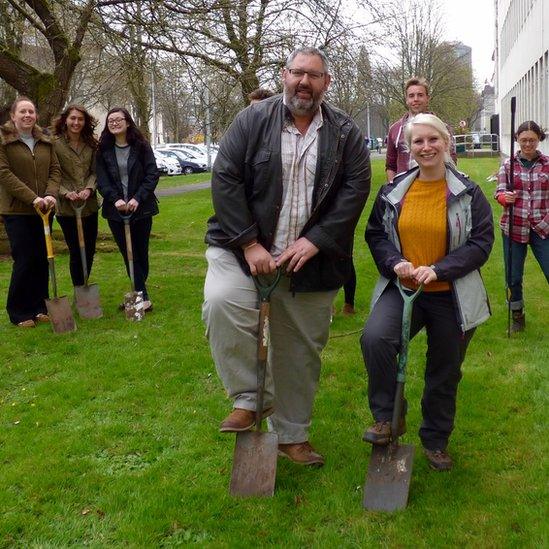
point(166, 165)
point(197, 150)
point(194, 156)
point(201, 149)
point(187, 166)
point(190, 156)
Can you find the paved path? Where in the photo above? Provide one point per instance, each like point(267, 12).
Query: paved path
point(183, 189)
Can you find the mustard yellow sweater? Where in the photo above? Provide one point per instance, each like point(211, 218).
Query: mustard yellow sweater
point(422, 227)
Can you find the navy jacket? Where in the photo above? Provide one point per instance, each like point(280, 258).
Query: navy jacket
point(142, 180)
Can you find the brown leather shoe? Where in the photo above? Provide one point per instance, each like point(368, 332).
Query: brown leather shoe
point(41, 317)
point(348, 310)
point(301, 453)
point(26, 324)
point(241, 420)
point(380, 432)
point(439, 460)
point(519, 321)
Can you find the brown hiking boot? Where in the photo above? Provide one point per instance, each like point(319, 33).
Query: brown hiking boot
point(26, 324)
point(519, 321)
point(41, 317)
point(380, 432)
point(241, 420)
point(439, 460)
point(301, 453)
point(348, 310)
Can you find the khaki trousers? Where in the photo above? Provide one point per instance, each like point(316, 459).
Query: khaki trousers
point(299, 328)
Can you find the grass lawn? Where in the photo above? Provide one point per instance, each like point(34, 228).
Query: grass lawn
point(167, 182)
point(108, 436)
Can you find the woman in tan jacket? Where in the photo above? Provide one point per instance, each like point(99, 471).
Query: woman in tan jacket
point(75, 145)
point(29, 178)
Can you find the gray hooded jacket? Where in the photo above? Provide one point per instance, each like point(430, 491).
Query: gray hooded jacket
point(469, 241)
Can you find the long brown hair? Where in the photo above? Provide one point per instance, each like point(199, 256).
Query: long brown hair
point(59, 125)
point(133, 135)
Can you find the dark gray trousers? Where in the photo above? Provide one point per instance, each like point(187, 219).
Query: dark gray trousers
point(29, 276)
point(446, 347)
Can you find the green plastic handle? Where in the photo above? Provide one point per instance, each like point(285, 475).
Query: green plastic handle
point(265, 290)
point(405, 333)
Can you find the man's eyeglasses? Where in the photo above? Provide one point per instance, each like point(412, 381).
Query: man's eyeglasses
point(115, 121)
point(313, 75)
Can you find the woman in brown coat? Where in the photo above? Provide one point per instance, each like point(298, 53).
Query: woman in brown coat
point(29, 178)
point(75, 146)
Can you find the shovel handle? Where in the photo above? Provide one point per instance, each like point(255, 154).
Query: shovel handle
point(405, 332)
point(129, 249)
point(80, 230)
point(47, 232)
point(402, 355)
point(264, 290)
point(78, 208)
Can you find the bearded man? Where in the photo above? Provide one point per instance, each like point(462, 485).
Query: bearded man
point(289, 183)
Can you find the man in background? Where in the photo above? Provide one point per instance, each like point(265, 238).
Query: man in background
point(397, 158)
point(259, 94)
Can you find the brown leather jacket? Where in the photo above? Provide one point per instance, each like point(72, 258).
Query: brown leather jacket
point(26, 174)
point(77, 173)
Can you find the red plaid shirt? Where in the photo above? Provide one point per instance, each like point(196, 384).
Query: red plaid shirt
point(531, 209)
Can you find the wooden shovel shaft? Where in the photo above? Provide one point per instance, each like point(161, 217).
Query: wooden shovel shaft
point(403, 355)
point(262, 352)
point(49, 246)
point(47, 232)
point(82, 244)
point(129, 250)
point(264, 291)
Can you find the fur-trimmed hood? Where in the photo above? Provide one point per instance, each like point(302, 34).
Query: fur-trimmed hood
point(9, 133)
point(24, 173)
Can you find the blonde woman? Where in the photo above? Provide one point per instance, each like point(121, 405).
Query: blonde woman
point(432, 226)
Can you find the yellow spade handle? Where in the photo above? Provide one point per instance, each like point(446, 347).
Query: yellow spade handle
point(47, 233)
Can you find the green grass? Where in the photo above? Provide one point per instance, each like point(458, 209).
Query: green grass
point(108, 436)
point(167, 182)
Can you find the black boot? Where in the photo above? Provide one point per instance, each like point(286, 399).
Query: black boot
point(519, 321)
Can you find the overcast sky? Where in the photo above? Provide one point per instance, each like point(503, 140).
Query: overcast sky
point(472, 22)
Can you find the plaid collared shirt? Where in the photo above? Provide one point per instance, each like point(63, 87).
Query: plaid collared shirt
point(299, 157)
point(531, 209)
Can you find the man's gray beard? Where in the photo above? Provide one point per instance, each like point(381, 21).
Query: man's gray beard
point(302, 107)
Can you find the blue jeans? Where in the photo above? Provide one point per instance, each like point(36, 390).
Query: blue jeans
point(540, 249)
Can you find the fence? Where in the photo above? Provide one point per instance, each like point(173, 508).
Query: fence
point(477, 144)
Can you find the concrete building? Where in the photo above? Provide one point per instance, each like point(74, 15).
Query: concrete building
point(463, 53)
point(522, 64)
point(487, 109)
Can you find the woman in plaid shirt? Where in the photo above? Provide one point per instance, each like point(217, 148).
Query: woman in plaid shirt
point(530, 197)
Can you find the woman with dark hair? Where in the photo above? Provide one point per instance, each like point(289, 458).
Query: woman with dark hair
point(29, 179)
point(126, 178)
point(75, 145)
point(530, 200)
